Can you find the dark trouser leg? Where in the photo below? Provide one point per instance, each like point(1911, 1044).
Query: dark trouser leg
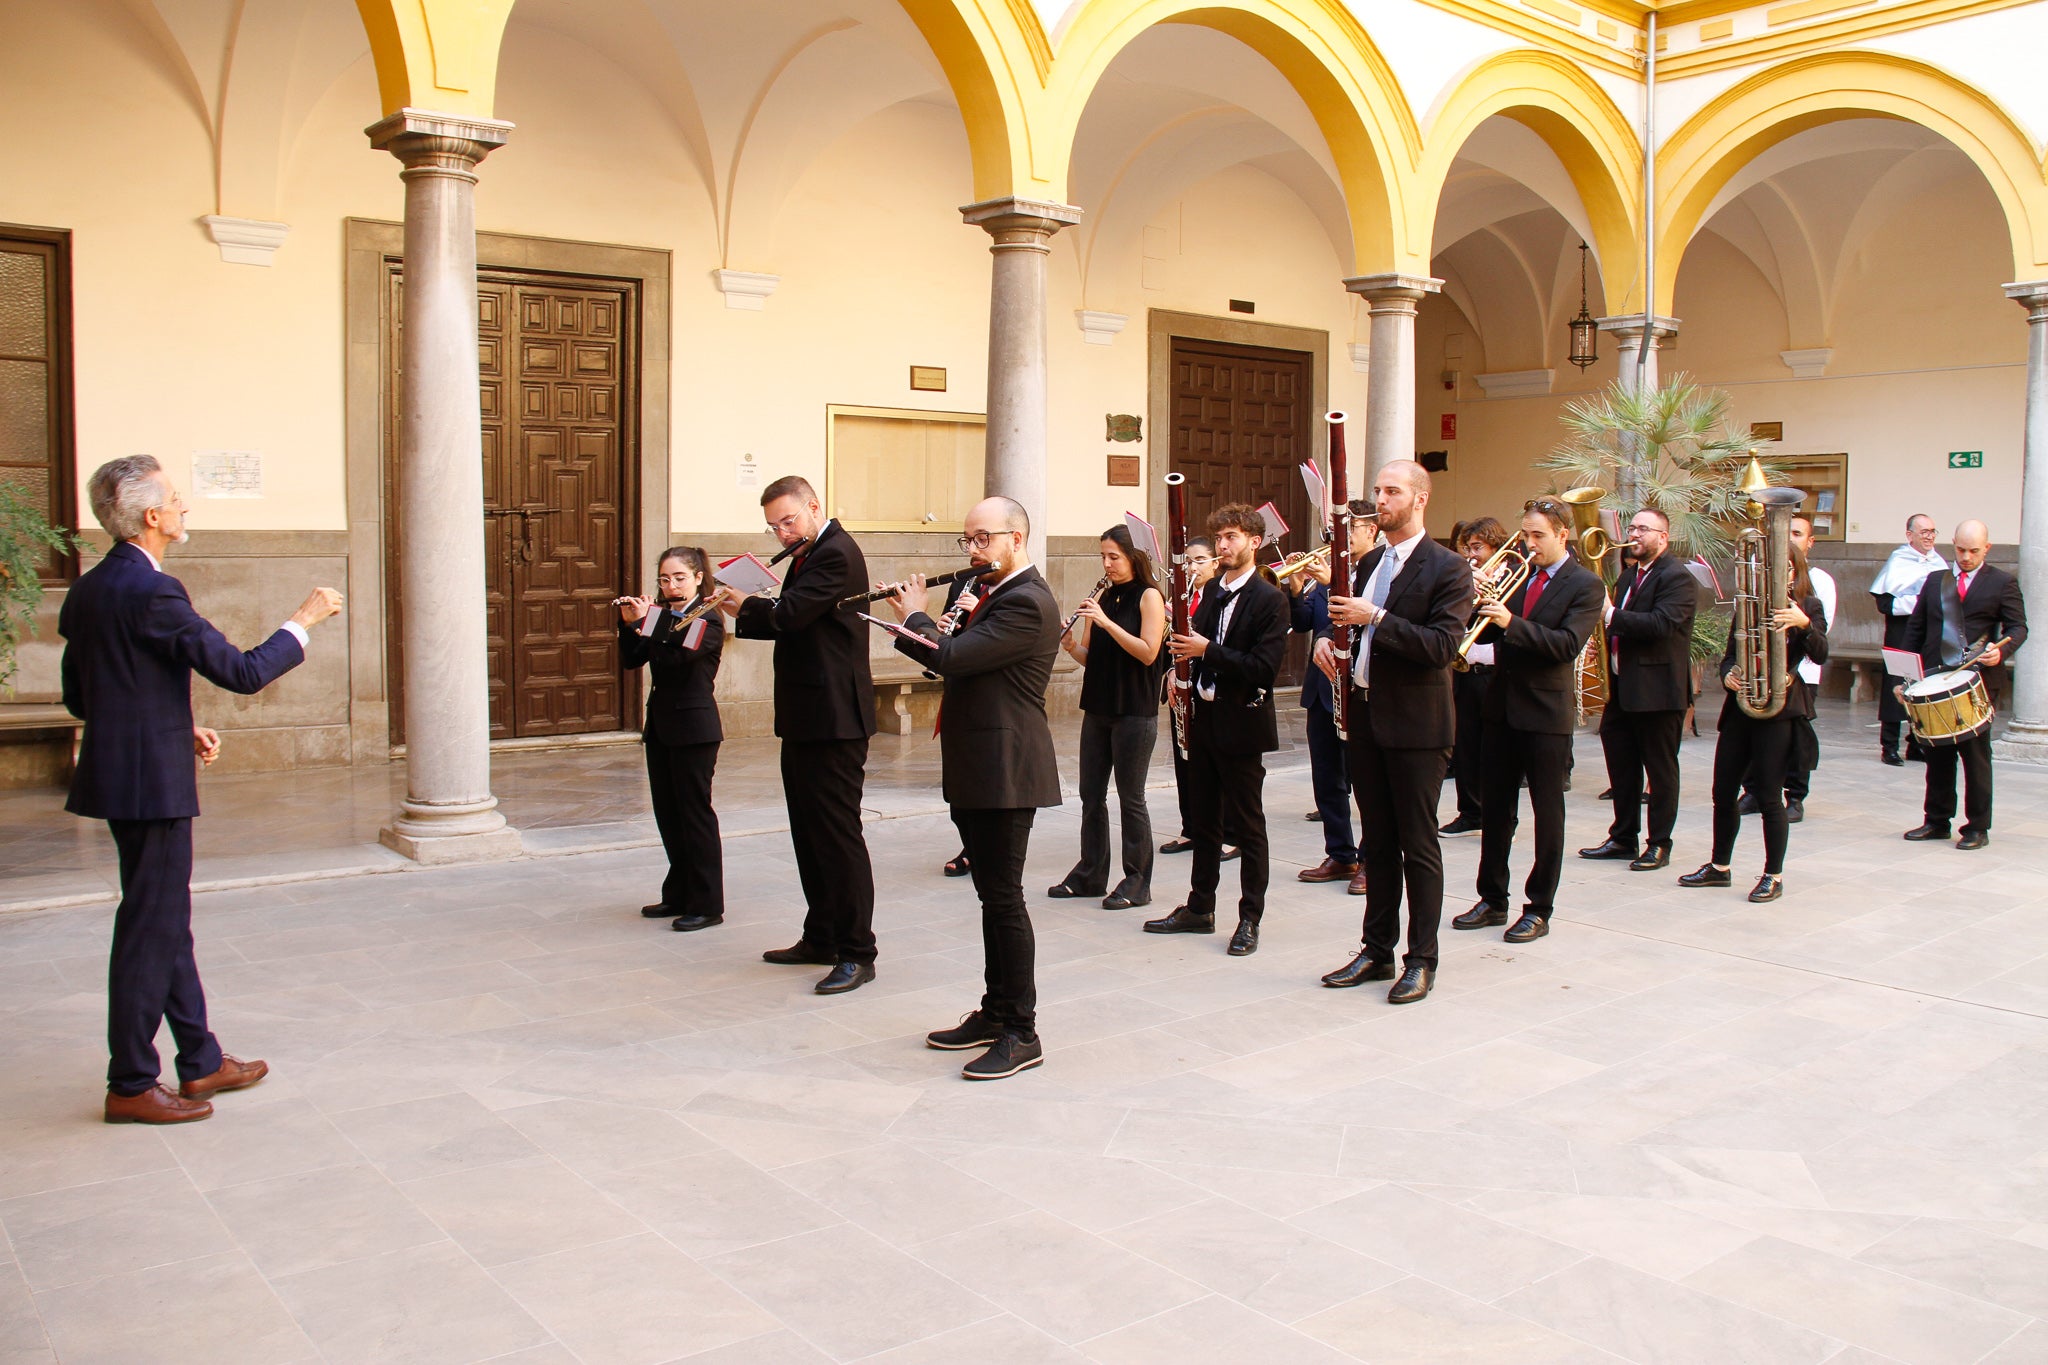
point(1976, 764)
point(1547, 759)
point(1333, 790)
point(152, 974)
point(997, 841)
point(1768, 748)
point(1799, 777)
point(1660, 732)
point(822, 783)
point(1622, 747)
point(1131, 743)
point(661, 787)
point(1468, 756)
point(1750, 753)
point(1243, 806)
point(1940, 804)
point(1398, 791)
point(1180, 786)
point(699, 881)
point(1499, 812)
point(1379, 844)
point(1202, 810)
point(1090, 876)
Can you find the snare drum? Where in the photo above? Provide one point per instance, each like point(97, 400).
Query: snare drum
point(1947, 708)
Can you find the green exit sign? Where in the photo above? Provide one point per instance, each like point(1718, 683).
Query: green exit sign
point(1966, 459)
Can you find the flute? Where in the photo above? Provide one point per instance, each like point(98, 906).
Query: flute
point(973, 572)
point(786, 551)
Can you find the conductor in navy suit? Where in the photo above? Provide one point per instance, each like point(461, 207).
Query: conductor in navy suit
point(132, 644)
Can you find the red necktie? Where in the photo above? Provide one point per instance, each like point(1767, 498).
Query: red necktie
point(1613, 640)
point(1963, 585)
point(939, 716)
point(1535, 591)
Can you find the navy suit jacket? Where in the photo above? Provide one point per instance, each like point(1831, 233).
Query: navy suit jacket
point(131, 645)
point(1309, 614)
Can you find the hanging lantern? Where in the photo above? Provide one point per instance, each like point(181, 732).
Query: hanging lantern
point(1585, 334)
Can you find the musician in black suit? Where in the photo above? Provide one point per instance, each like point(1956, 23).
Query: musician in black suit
point(682, 733)
point(1649, 670)
point(1409, 607)
point(1530, 710)
point(132, 644)
point(1976, 601)
point(824, 715)
point(1477, 540)
point(1235, 642)
point(995, 745)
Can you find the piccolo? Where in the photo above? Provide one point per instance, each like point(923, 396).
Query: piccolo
point(786, 551)
point(973, 573)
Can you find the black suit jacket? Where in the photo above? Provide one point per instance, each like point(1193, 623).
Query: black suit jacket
point(1244, 662)
point(1993, 610)
point(1310, 615)
point(1654, 638)
point(994, 740)
point(132, 644)
point(823, 686)
point(1809, 641)
point(1428, 605)
point(682, 708)
point(1535, 683)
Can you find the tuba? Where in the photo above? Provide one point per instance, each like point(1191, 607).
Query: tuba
point(1763, 588)
point(1498, 579)
point(1590, 544)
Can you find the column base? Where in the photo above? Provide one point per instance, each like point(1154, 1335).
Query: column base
point(2023, 743)
point(473, 832)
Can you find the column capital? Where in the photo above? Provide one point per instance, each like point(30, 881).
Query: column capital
point(431, 143)
point(1393, 289)
point(1020, 224)
point(1632, 326)
point(2031, 295)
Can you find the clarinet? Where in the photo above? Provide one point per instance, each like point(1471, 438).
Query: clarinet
point(973, 573)
point(1179, 694)
point(1101, 586)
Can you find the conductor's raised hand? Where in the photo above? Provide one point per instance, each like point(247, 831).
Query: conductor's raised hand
point(320, 604)
point(908, 599)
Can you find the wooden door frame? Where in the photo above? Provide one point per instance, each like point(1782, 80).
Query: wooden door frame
point(370, 248)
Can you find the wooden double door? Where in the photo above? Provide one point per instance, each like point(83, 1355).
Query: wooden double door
point(555, 371)
point(1243, 423)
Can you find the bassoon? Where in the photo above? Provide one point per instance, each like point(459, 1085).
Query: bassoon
point(1340, 572)
point(1180, 680)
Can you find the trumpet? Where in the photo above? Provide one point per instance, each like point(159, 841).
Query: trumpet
point(1504, 572)
point(1298, 563)
point(1101, 586)
point(973, 573)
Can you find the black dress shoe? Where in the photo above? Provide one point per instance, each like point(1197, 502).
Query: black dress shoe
point(1610, 850)
point(1183, 921)
point(975, 1029)
point(1654, 857)
point(1245, 941)
point(1795, 810)
point(1359, 970)
point(1606, 794)
point(655, 911)
point(1526, 928)
point(1012, 1053)
point(1891, 759)
point(799, 954)
point(1747, 805)
point(1464, 824)
point(1706, 874)
point(1973, 839)
point(1314, 817)
point(1230, 853)
point(1120, 899)
point(1767, 888)
point(1925, 832)
point(1483, 915)
point(1413, 985)
point(847, 976)
point(1060, 891)
point(1181, 845)
point(685, 924)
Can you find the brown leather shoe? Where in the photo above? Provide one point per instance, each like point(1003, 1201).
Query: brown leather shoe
point(155, 1105)
point(1329, 870)
point(233, 1075)
point(1357, 887)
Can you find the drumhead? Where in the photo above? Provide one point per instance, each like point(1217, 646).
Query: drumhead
point(1939, 684)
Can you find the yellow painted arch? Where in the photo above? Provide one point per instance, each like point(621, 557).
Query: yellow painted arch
point(1767, 108)
point(1555, 99)
point(436, 54)
point(1320, 49)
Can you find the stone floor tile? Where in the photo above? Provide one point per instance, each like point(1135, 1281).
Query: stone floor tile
point(1414, 1322)
point(1265, 1145)
point(424, 1137)
point(22, 1339)
point(217, 1306)
point(1522, 1162)
point(520, 1210)
point(1095, 1193)
point(1001, 1340)
point(634, 1301)
point(900, 1194)
point(1653, 1321)
point(420, 1306)
point(1251, 1258)
point(712, 1202)
point(587, 1136)
point(1212, 1330)
point(1428, 1237)
point(245, 1141)
point(1644, 1234)
point(294, 1223)
point(1967, 1259)
point(1069, 1283)
point(55, 1152)
point(2028, 1346)
point(84, 1232)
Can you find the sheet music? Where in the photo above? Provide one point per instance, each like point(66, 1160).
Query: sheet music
point(903, 631)
point(1704, 574)
point(1276, 525)
point(747, 575)
point(1144, 537)
point(1312, 480)
point(1903, 663)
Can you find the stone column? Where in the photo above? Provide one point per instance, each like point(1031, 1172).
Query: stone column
point(1021, 232)
point(1390, 381)
point(2026, 739)
point(1636, 338)
point(449, 814)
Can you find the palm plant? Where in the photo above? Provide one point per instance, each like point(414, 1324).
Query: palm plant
point(27, 542)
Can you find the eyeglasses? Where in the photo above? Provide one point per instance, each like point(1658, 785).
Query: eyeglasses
point(788, 523)
point(1544, 505)
point(1201, 559)
point(980, 540)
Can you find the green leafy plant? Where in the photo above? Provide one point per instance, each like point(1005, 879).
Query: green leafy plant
point(27, 540)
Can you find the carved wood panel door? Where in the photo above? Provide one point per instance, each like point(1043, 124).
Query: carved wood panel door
point(1241, 429)
point(555, 363)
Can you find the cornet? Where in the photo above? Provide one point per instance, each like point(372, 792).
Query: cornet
point(1297, 563)
point(1503, 574)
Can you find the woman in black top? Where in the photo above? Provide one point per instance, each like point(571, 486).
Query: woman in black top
point(1117, 640)
point(682, 733)
point(1749, 751)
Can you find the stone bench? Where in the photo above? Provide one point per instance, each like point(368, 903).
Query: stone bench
point(38, 745)
point(906, 701)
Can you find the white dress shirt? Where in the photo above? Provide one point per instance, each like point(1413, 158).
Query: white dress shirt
point(297, 630)
point(1207, 691)
point(1824, 589)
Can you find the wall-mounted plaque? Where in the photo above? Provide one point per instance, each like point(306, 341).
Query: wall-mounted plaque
point(1125, 426)
point(1766, 431)
point(931, 378)
point(1123, 471)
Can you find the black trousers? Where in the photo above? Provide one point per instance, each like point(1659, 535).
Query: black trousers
point(821, 784)
point(1226, 795)
point(1468, 755)
point(679, 776)
point(1800, 754)
point(1544, 760)
point(1397, 791)
point(996, 844)
point(152, 975)
point(1640, 744)
point(1332, 785)
point(1120, 746)
point(1974, 757)
point(1751, 753)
